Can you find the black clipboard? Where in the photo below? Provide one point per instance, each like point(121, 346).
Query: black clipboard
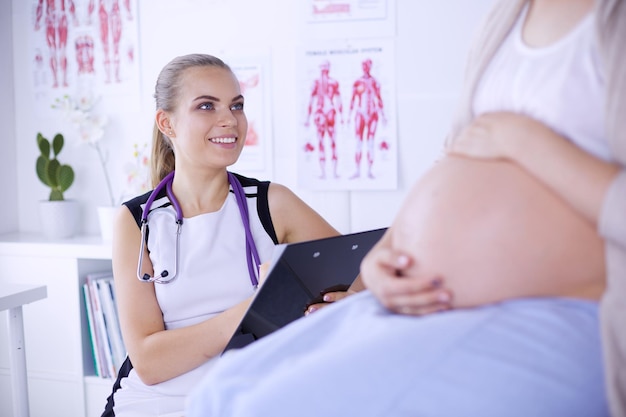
point(298, 273)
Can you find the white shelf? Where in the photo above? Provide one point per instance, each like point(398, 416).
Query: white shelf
point(82, 246)
point(61, 374)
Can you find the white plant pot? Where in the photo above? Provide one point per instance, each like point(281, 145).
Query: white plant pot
point(106, 214)
point(59, 219)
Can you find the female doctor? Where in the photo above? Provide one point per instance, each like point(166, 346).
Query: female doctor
point(205, 232)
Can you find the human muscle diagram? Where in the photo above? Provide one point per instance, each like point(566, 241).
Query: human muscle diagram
point(52, 17)
point(84, 45)
point(348, 127)
point(110, 33)
point(325, 107)
point(367, 106)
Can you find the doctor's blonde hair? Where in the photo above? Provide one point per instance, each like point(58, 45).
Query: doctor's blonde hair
point(162, 160)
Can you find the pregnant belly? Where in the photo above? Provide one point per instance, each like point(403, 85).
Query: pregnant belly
point(493, 232)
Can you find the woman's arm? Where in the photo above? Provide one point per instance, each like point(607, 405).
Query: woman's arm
point(576, 176)
point(158, 355)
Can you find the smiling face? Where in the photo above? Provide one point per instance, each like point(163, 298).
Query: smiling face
point(209, 124)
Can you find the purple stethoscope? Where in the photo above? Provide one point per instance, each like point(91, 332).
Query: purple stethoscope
point(165, 277)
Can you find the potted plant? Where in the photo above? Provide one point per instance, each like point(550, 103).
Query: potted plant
point(59, 217)
point(50, 171)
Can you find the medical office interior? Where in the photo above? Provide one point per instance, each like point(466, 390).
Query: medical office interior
point(278, 45)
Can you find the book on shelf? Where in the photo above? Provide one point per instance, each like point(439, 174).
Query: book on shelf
point(93, 332)
point(104, 328)
point(111, 321)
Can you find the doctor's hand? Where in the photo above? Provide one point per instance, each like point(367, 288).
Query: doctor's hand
point(401, 285)
point(328, 296)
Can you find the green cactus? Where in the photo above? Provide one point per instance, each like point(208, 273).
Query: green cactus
point(50, 171)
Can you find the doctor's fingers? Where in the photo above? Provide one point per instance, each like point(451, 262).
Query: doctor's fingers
point(328, 298)
point(332, 296)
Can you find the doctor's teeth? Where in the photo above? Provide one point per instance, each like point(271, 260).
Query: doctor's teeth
point(223, 140)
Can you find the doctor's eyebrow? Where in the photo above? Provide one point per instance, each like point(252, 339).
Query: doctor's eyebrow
point(211, 98)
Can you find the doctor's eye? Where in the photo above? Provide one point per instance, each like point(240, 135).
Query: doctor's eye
point(237, 106)
point(206, 106)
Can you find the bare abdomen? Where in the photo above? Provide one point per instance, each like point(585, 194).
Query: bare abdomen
point(493, 232)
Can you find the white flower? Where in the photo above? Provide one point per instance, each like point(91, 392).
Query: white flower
point(88, 125)
point(80, 114)
point(91, 129)
point(138, 171)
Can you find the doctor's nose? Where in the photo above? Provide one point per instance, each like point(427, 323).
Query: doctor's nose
point(227, 118)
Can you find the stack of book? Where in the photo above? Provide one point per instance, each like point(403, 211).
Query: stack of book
point(104, 327)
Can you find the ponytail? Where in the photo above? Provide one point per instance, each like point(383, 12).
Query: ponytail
point(162, 160)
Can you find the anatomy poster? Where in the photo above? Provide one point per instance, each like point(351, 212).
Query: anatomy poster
point(85, 47)
point(332, 19)
point(328, 10)
point(347, 99)
point(252, 75)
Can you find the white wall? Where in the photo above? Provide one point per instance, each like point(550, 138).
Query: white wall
point(8, 167)
point(432, 39)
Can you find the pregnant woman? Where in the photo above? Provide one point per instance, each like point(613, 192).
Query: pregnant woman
point(511, 237)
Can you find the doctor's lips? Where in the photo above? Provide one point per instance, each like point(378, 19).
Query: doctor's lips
point(224, 139)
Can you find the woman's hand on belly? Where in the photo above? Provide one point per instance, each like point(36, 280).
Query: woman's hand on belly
point(496, 135)
point(576, 176)
point(400, 284)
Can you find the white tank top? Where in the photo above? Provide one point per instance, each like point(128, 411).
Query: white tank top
point(561, 85)
point(212, 267)
point(212, 276)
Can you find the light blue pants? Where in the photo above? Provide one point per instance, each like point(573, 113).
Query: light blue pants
point(526, 358)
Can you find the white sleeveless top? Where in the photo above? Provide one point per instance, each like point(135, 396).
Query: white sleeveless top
point(212, 277)
point(212, 267)
point(561, 85)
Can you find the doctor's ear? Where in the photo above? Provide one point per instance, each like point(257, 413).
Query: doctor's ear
point(163, 122)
